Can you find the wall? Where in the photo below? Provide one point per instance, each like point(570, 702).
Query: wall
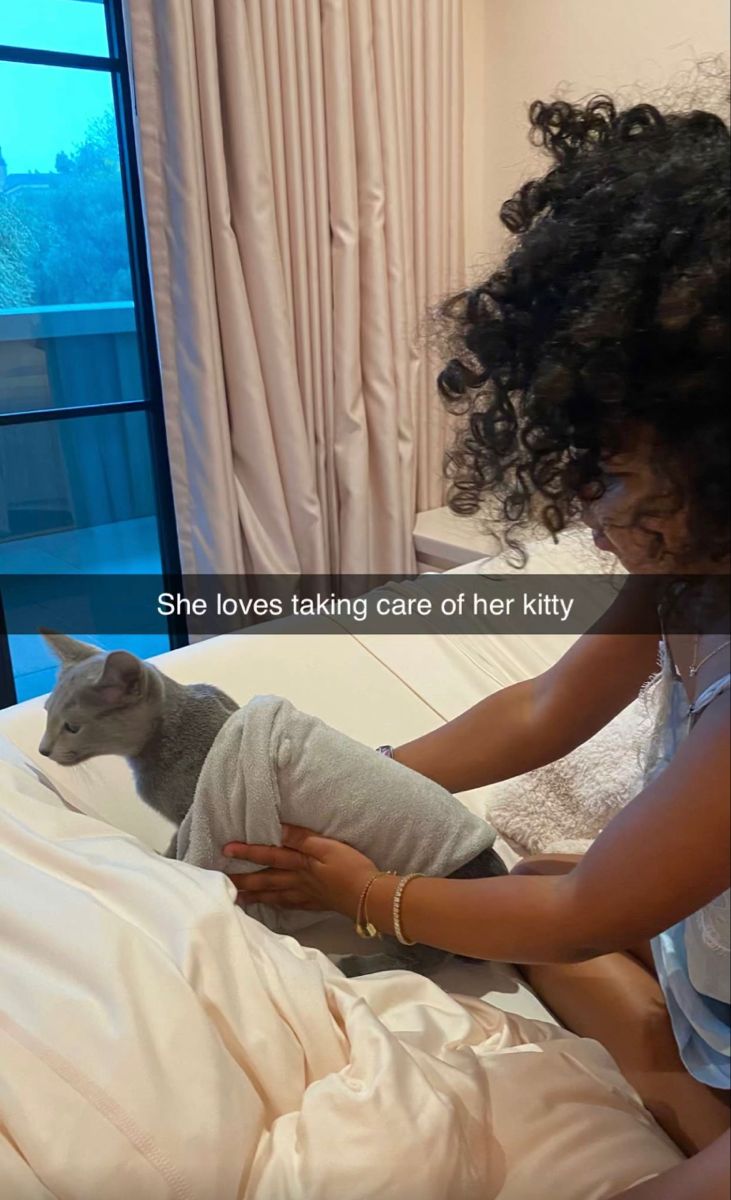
point(516, 51)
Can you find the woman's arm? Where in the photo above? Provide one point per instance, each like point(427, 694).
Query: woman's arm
point(533, 723)
point(705, 1176)
point(664, 856)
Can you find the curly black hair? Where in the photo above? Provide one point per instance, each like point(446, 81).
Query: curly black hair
point(611, 309)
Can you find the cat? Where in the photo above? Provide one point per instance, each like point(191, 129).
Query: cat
point(114, 703)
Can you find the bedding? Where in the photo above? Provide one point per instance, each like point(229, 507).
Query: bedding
point(158, 1042)
point(25, 777)
point(564, 806)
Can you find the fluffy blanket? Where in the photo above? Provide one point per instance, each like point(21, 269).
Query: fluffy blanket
point(563, 807)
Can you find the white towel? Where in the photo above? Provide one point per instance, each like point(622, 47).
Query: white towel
point(272, 765)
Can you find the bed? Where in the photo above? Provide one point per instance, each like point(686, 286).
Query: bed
point(156, 1042)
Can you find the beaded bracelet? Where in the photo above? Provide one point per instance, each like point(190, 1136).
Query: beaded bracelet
point(363, 927)
point(398, 894)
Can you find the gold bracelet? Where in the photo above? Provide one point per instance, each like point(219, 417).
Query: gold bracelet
point(366, 929)
point(398, 894)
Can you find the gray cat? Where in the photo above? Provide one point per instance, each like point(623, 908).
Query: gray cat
point(114, 703)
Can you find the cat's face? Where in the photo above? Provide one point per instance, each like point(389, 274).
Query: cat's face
point(101, 704)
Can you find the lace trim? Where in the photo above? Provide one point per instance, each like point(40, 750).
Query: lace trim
point(714, 924)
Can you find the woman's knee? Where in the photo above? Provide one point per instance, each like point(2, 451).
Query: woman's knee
point(547, 864)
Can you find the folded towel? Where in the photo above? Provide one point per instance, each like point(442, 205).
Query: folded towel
point(272, 765)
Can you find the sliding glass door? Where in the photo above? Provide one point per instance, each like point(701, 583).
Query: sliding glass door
point(84, 479)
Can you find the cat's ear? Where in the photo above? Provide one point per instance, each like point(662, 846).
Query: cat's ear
point(67, 649)
point(121, 679)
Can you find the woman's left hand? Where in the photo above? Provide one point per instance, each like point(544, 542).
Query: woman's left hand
point(307, 871)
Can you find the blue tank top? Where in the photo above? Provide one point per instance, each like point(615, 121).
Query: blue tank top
point(692, 958)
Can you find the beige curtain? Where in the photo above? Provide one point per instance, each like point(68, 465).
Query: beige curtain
point(303, 185)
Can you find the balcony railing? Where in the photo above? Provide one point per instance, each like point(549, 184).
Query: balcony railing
point(63, 356)
point(73, 474)
point(66, 320)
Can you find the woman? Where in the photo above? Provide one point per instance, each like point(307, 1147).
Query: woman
point(592, 370)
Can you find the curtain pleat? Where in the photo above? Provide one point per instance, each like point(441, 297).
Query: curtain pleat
point(302, 175)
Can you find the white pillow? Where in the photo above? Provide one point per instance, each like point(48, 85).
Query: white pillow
point(17, 772)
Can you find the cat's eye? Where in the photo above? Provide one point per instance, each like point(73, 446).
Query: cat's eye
point(71, 728)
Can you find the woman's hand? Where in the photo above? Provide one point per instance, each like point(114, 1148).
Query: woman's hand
point(307, 871)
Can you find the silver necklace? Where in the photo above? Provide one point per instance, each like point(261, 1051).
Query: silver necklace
point(696, 666)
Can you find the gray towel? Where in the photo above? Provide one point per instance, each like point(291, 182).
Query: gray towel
point(272, 765)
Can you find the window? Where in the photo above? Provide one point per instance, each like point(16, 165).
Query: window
point(84, 480)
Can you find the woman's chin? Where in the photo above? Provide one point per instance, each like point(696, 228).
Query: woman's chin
point(623, 562)
point(602, 542)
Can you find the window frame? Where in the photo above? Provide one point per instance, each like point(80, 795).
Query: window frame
point(116, 64)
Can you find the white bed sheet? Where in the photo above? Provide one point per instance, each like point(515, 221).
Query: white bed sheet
point(159, 1043)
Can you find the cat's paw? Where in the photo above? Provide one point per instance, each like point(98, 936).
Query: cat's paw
point(354, 965)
